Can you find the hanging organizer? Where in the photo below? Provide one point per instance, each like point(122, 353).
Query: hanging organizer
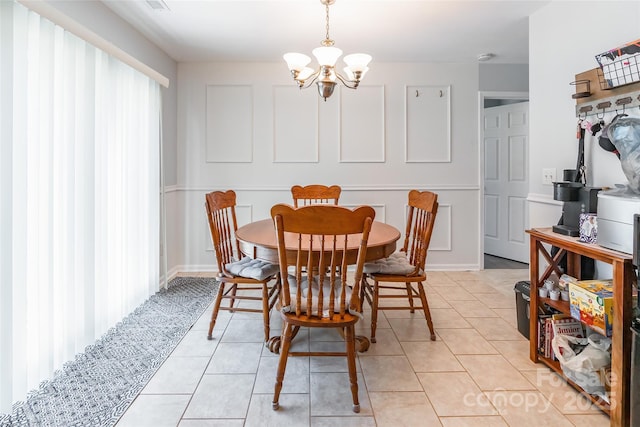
point(594, 96)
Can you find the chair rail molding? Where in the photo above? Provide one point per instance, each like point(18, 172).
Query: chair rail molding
point(363, 187)
point(542, 198)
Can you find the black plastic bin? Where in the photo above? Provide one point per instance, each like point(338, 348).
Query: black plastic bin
point(523, 295)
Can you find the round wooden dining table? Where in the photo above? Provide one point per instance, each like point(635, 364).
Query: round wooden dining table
point(258, 240)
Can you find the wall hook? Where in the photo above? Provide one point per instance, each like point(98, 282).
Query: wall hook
point(441, 93)
point(584, 110)
point(623, 102)
point(417, 93)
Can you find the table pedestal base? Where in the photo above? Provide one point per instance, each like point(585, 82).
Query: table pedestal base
point(362, 343)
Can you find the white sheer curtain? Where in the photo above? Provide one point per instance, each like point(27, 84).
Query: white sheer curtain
point(79, 196)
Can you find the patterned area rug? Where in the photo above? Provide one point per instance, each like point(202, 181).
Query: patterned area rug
point(97, 387)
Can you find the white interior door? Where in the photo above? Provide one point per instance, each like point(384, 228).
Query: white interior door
point(506, 181)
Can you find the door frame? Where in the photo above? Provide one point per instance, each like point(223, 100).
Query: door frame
point(482, 96)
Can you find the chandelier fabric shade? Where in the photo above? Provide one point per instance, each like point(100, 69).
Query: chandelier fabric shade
point(326, 76)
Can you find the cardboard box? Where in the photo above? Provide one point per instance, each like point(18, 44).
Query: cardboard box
point(591, 302)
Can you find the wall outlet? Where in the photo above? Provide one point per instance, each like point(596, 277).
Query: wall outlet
point(548, 176)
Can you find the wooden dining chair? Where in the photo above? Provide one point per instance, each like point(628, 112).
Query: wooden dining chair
point(321, 233)
point(239, 276)
point(406, 268)
point(315, 194)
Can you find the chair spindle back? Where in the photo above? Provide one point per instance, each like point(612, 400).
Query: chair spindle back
point(423, 207)
point(322, 233)
point(221, 213)
point(315, 194)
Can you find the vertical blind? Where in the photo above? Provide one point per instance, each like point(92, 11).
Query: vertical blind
point(79, 196)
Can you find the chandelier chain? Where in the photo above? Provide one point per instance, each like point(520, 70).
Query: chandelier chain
point(327, 25)
point(327, 41)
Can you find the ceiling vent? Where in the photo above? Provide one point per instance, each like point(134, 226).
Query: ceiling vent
point(157, 5)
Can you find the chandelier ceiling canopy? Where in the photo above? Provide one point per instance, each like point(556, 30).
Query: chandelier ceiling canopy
point(326, 76)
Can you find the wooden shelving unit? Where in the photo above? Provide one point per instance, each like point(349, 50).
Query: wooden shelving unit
point(623, 282)
point(563, 307)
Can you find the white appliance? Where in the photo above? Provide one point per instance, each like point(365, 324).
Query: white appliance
point(615, 219)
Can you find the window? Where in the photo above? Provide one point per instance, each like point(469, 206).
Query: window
point(79, 196)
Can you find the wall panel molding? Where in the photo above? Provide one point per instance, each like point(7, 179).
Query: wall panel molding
point(443, 229)
point(381, 210)
point(295, 125)
point(362, 125)
point(229, 124)
point(427, 124)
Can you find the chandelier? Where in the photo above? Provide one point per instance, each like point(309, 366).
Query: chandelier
point(327, 55)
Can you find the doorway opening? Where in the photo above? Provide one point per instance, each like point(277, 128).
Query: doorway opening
point(504, 168)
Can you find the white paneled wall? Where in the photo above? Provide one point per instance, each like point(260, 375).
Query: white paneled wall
point(255, 205)
point(229, 123)
point(362, 136)
point(373, 142)
point(295, 125)
point(428, 124)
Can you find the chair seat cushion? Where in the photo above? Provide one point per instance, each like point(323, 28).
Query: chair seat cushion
point(252, 268)
point(315, 280)
point(396, 263)
point(326, 289)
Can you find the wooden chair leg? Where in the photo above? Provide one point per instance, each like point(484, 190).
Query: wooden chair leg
point(233, 290)
point(350, 336)
point(363, 283)
point(374, 310)
point(287, 333)
point(216, 308)
point(265, 310)
point(410, 295)
point(427, 312)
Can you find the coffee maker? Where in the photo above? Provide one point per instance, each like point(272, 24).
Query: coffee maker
point(577, 198)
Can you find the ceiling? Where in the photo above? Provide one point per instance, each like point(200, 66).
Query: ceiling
point(389, 30)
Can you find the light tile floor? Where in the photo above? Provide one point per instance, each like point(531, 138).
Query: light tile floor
point(477, 373)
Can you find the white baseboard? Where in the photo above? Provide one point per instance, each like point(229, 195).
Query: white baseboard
point(206, 268)
point(173, 272)
point(453, 267)
point(209, 269)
